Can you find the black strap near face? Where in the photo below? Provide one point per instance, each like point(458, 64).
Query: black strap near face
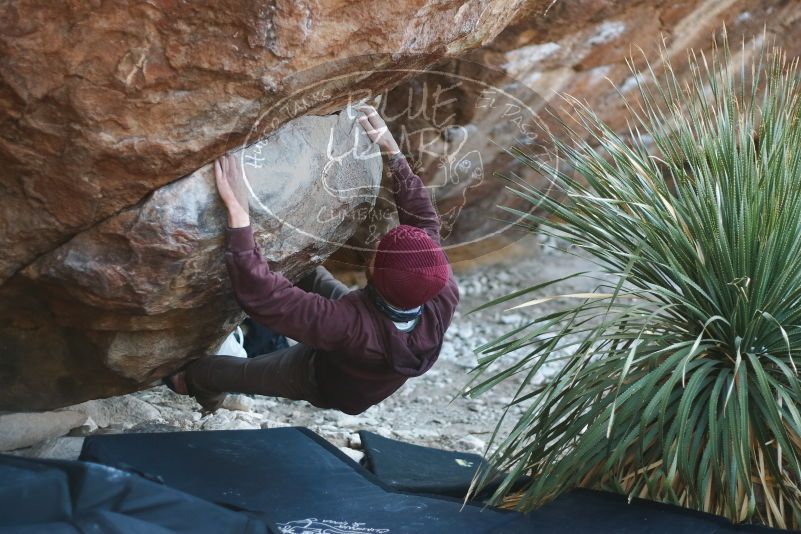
point(396, 315)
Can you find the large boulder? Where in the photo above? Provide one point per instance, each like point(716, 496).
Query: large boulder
point(134, 297)
point(103, 102)
point(110, 271)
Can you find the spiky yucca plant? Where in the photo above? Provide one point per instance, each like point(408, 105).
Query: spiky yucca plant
point(680, 379)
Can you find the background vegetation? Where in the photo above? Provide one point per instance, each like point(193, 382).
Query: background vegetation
point(680, 373)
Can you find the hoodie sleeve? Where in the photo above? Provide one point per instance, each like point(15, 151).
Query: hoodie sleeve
point(412, 199)
point(272, 300)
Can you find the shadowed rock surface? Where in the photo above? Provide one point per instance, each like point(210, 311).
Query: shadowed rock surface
point(132, 298)
point(110, 277)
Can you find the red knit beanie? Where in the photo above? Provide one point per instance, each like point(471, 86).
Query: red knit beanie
point(409, 268)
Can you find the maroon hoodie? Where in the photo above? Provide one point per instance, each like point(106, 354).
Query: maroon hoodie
point(361, 357)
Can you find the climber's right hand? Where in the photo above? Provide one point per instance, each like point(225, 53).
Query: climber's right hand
point(377, 129)
point(230, 180)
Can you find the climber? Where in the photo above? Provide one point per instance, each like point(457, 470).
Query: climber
point(355, 348)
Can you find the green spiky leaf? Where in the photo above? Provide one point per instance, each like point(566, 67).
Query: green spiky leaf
point(680, 383)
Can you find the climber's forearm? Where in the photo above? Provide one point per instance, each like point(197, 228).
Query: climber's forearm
point(411, 196)
point(252, 280)
point(251, 277)
point(412, 199)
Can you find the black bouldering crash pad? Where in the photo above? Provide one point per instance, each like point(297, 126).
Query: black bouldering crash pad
point(302, 482)
point(425, 470)
point(414, 468)
point(54, 496)
point(308, 486)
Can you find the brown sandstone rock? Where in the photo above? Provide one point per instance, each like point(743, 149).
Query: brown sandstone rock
point(580, 47)
point(110, 266)
point(103, 102)
point(133, 298)
point(115, 279)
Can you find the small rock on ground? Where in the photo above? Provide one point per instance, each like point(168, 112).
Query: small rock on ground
point(241, 403)
point(125, 410)
point(67, 448)
point(353, 454)
point(19, 430)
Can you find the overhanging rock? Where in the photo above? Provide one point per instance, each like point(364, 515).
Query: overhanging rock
point(136, 296)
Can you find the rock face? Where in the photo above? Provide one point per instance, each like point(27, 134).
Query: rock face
point(110, 262)
point(575, 47)
point(135, 296)
point(579, 46)
point(460, 144)
point(103, 102)
point(110, 271)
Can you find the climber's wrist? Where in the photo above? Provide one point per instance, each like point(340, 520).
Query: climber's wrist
point(238, 218)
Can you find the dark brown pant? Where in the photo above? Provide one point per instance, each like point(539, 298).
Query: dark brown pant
point(287, 373)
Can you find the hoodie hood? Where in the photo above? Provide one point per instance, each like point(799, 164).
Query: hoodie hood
point(378, 357)
point(412, 353)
